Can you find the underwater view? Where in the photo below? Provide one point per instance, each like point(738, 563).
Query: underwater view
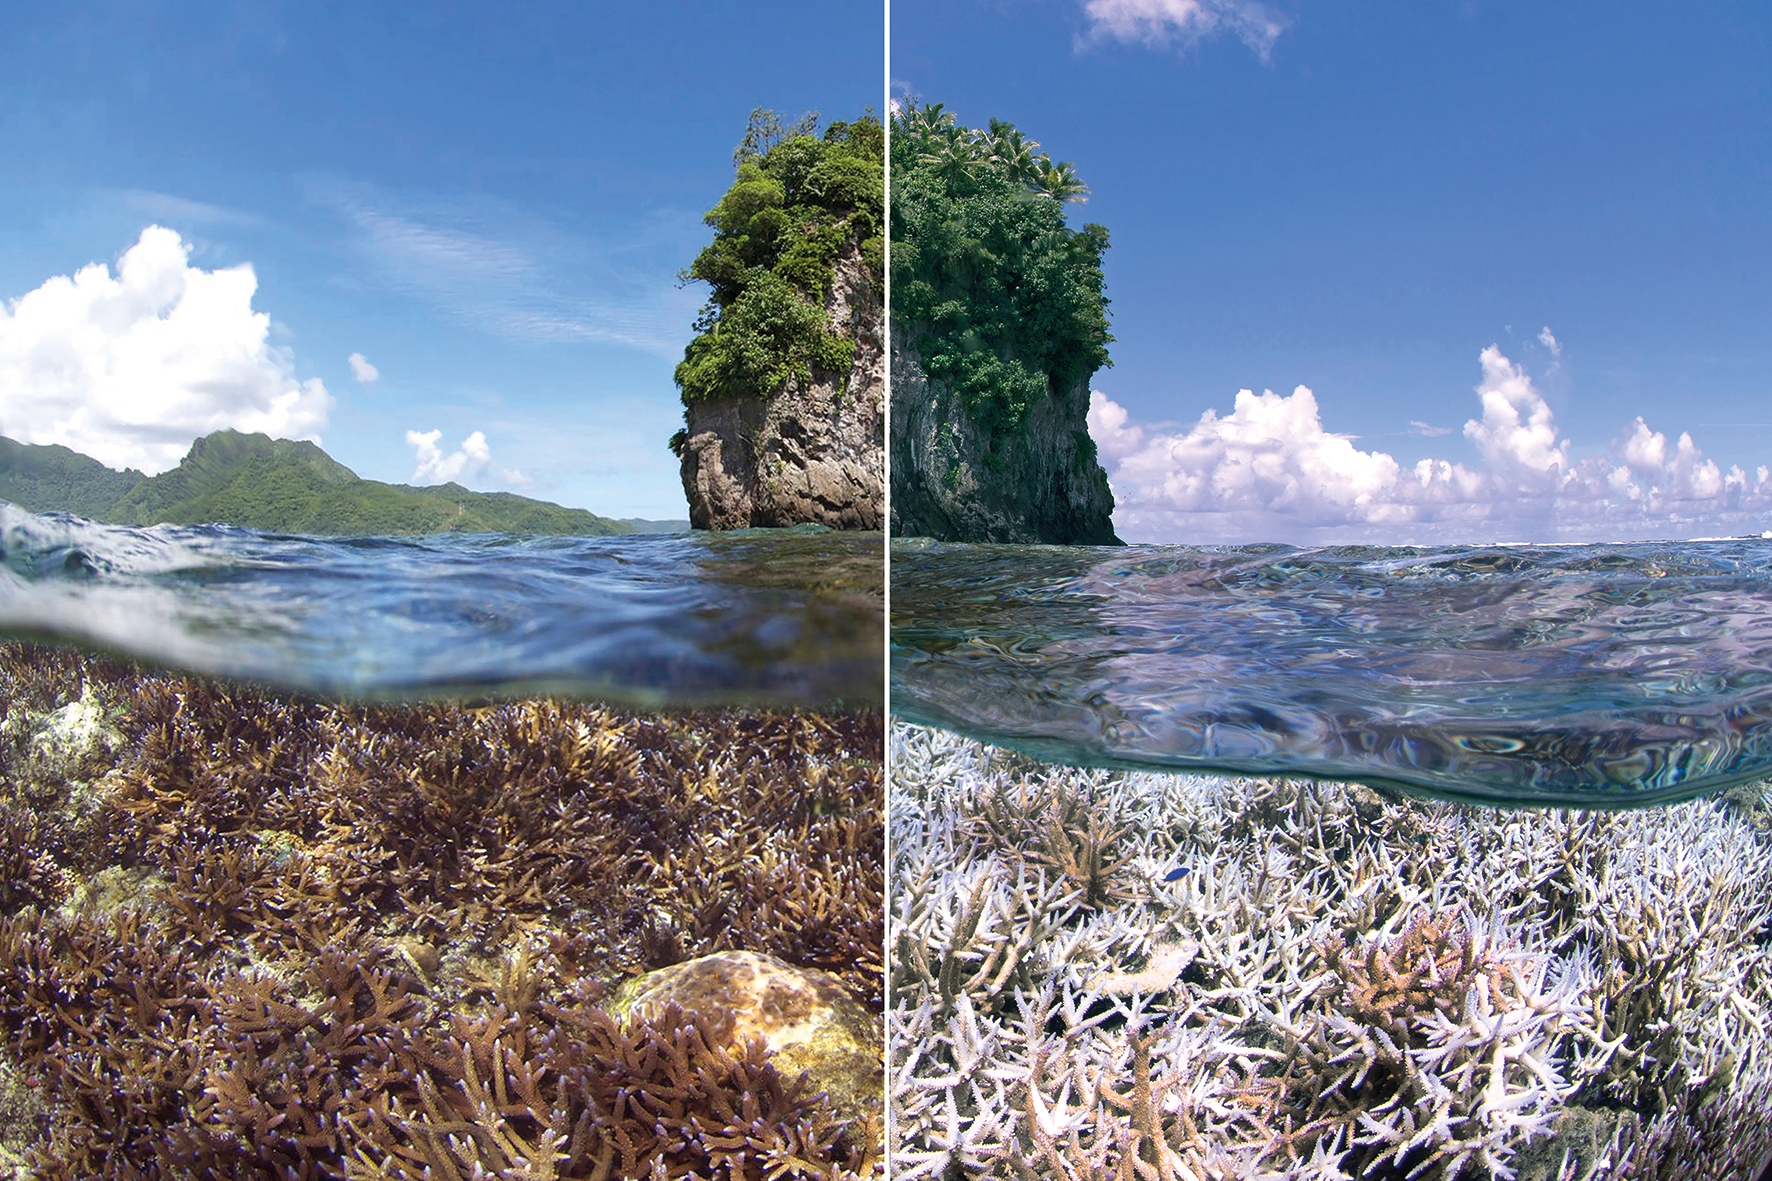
point(1277, 862)
point(439, 857)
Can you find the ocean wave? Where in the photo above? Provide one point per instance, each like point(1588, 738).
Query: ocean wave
point(762, 617)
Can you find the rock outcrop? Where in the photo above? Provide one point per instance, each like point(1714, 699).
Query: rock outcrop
point(811, 453)
point(953, 480)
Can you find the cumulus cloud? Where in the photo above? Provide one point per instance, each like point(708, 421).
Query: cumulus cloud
point(1517, 434)
point(130, 368)
point(1418, 427)
point(1160, 23)
point(434, 467)
point(1269, 471)
point(366, 373)
point(1549, 340)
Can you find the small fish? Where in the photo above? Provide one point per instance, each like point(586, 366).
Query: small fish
point(1175, 875)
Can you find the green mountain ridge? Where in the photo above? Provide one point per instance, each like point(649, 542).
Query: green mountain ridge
point(52, 477)
point(278, 485)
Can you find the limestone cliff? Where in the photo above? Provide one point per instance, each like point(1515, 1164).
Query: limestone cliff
point(811, 452)
point(953, 480)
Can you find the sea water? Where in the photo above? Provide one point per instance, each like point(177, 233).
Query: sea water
point(1578, 675)
point(756, 617)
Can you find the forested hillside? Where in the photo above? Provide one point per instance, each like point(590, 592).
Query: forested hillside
point(258, 482)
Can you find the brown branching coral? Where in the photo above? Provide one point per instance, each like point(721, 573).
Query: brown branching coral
point(588, 1098)
point(1064, 832)
point(291, 938)
point(31, 872)
point(1447, 1029)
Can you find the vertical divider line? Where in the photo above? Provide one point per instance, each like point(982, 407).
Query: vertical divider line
point(886, 606)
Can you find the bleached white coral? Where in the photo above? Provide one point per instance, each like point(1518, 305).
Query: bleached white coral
point(1164, 976)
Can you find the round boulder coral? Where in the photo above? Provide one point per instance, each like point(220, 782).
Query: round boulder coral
point(806, 1018)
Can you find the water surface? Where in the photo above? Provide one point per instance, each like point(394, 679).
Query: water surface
point(1603, 675)
point(762, 617)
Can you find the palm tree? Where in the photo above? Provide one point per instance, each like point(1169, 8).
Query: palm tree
point(924, 123)
point(1013, 151)
point(1059, 181)
point(955, 153)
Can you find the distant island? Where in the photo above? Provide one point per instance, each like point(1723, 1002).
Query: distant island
point(257, 482)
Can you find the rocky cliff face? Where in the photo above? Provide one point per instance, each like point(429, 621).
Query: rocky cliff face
point(811, 453)
point(952, 481)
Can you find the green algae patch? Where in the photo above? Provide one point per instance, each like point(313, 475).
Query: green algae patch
point(113, 888)
point(280, 845)
point(50, 749)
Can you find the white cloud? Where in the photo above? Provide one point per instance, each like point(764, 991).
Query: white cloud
point(516, 477)
point(1158, 23)
point(434, 467)
point(500, 269)
point(130, 368)
point(1270, 472)
point(1270, 456)
point(366, 373)
point(164, 207)
point(1517, 434)
point(1418, 427)
point(1549, 340)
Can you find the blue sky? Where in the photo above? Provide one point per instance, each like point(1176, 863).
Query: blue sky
point(487, 204)
point(1362, 199)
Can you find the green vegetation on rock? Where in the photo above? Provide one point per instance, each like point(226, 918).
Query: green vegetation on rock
point(999, 296)
point(798, 203)
point(257, 482)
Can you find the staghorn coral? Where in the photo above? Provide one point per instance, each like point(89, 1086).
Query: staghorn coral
point(270, 937)
point(1441, 1044)
point(1341, 984)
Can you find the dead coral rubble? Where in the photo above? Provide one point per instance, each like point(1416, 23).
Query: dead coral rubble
point(278, 938)
point(1101, 975)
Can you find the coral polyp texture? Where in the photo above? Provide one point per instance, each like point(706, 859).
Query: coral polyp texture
point(247, 936)
point(1100, 974)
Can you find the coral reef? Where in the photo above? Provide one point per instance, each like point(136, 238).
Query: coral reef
point(1101, 974)
point(249, 936)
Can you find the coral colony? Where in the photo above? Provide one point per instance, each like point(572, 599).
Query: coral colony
point(243, 936)
point(1341, 984)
